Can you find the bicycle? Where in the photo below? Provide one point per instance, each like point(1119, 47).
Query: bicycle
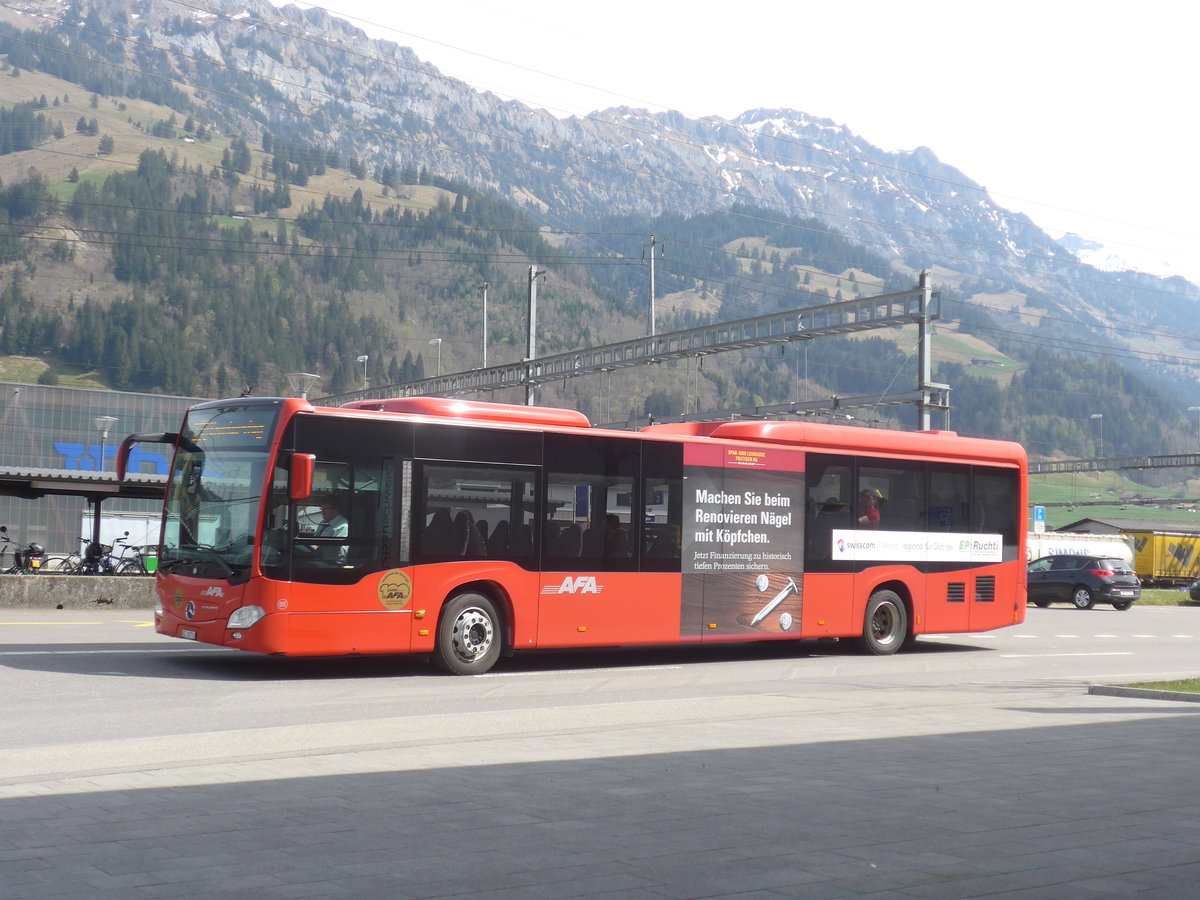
point(64, 565)
point(96, 559)
point(26, 561)
point(133, 560)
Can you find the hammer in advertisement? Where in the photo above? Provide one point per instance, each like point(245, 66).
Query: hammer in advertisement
point(789, 588)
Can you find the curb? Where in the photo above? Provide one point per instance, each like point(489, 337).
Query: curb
point(1142, 693)
point(76, 592)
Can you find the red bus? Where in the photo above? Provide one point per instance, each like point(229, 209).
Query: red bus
point(466, 530)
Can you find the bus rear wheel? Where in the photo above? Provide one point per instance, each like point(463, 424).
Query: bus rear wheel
point(885, 624)
point(469, 635)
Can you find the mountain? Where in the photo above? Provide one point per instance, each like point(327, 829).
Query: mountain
point(771, 185)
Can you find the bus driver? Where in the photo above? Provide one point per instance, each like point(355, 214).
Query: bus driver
point(333, 525)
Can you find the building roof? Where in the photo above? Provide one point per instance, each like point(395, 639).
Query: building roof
point(1125, 526)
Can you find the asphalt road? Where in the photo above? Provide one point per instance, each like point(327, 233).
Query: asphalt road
point(114, 680)
point(647, 764)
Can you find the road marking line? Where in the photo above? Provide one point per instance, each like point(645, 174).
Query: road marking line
point(165, 648)
point(957, 636)
point(50, 623)
point(660, 668)
point(1040, 655)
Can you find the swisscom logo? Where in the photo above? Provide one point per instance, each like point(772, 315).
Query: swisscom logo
point(843, 546)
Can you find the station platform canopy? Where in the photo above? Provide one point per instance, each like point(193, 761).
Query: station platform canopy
point(33, 483)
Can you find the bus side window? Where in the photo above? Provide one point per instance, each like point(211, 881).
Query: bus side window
point(949, 499)
point(591, 490)
point(454, 500)
point(659, 527)
point(828, 486)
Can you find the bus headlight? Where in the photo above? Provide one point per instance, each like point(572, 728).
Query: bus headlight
point(245, 617)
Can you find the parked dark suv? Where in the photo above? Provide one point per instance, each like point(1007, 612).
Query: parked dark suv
point(1083, 581)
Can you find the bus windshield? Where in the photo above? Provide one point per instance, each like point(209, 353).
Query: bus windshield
point(213, 495)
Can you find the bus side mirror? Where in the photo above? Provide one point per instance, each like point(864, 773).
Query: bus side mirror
point(127, 447)
point(301, 480)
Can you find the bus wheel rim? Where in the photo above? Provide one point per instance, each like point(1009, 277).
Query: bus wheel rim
point(883, 624)
point(472, 633)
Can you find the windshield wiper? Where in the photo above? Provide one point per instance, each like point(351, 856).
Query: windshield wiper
point(232, 575)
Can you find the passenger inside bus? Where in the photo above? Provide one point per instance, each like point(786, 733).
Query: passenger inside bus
point(868, 509)
point(467, 539)
point(616, 540)
point(497, 542)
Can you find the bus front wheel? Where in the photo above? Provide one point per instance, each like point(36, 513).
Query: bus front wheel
point(469, 635)
point(885, 624)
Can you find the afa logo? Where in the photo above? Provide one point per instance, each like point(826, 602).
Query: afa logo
point(395, 590)
point(575, 584)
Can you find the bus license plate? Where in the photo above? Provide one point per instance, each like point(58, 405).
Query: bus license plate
point(187, 633)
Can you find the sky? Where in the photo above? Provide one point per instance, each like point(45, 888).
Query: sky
point(1080, 113)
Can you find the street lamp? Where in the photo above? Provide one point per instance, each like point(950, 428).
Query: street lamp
point(363, 359)
point(103, 424)
point(437, 342)
point(1100, 416)
point(483, 359)
point(301, 383)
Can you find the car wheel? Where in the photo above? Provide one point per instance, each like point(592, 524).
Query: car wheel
point(1041, 604)
point(1082, 598)
point(1122, 605)
point(885, 624)
point(468, 636)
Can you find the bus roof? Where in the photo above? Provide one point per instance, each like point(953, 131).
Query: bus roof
point(475, 410)
point(946, 445)
point(849, 438)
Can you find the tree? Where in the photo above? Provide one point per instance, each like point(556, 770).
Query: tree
point(106, 145)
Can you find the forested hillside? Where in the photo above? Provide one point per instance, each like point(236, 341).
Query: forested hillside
point(192, 242)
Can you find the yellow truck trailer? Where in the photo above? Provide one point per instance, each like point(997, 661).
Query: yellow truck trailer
point(1165, 558)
